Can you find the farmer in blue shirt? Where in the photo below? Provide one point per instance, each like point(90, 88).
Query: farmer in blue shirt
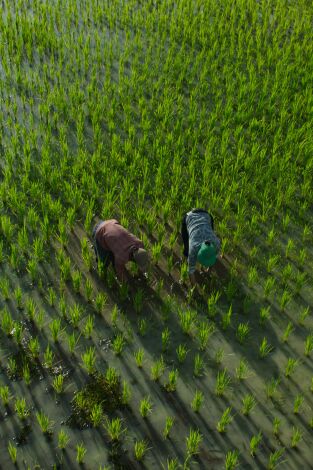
point(200, 242)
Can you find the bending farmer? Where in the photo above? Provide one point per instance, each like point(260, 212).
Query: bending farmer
point(115, 245)
point(200, 242)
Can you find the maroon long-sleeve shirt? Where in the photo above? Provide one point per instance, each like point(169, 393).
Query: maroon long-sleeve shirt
point(114, 237)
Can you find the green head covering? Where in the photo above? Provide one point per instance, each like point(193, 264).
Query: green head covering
point(207, 254)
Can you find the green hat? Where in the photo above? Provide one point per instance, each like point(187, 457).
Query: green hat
point(207, 254)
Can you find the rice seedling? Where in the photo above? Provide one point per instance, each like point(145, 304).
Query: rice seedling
point(18, 331)
point(193, 441)
point(187, 320)
point(226, 318)
point(114, 428)
point(171, 464)
point(219, 356)
point(140, 449)
point(142, 326)
point(58, 384)
point(34, 347)
point(225, 420)
point(198, 365)
point(100, 302)
point(171, 384)
point(88, 290)
point(242, 371)
point(30, 309)
point(45, 423)
point(197, 401)
point(145, 406)
point(231, 460)
point(157, 369)
point(255, 441)
point(265, 348)
point(118, 344)
point(139, 356)
point(271, 387)
point(169, 422)
point(223, 381)
point(21, 408)
point(205, 330)
point(308, 345)
point(18, 296)
point(275, 459)
point(5, 395)
point(242, 332)
point(268, 287)
point(289, 329)
point(26, 374)
point(55, 329)
point(88, 327)
point(166, 337)
point(248, 404)
point(63, 440)
point(89, 360)
point(291, 366)
point(296, 437)
point(138, 301)
point(284, 300)
point(298, 401)
point(5, 288)
point(72, 341)
point(114, 316)
point(7, 323)
point(76, 280)
point(303, 315)
point(75, 314)
point(126, 393)
point(51, 296)
point(212, 303)
point(181, 352)
point(80, 453)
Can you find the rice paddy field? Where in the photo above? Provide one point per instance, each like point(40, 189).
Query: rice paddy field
point(141, 110)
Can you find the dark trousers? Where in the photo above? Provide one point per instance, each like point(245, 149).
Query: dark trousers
point(105, 256)
point(184, 230)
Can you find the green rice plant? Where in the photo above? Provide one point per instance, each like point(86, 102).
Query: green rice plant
point(205, 330)
point(18, 331)
point(181, 352)
point(296, 437)
point(169, 421)
point(118, 344)
point(308, 345)
point(226, 318)
point(242, 371)
point(275, 459)
point(75, 314)
point(226, 419)
point(88, 290)
point(126, 393)
point(12, 453)
point(231, 460)
point(286, 274)
point(80, 453)
point(142, 326)
point(145, 406)
point(276, 426)
point(72, 341)
point(76, 280)
point(291, 365)
point(284, 300)
point(248, 403)
point(289, 329)
point(45, 423)
point(58, 384)
point(223, 381)
point(252, 276)
point(5, 395)
point(55, 329)
point(157, 369)
point(96, 414)
point(303, 315)
point(63, 307)
point(271, 387)
point(184, 272)
point(265, 348)
point(197, 401)
point(300, 281)
point(34, 347)
point(33, 269)
point(5, 288)
point(138, 301)
point(48, 357)
point(26, 374)
point(40, 319)
point(140, 449)
point(302, 256)
point(272, 262)
point(255, 441)
point(298, 401)
point(89, 359)
point(242, 332)
point(156, 252)
point(124, 291)
point(187, 320)
point(219, 356)
point(65, 268)
point(114, 316)
point(171, 464)
point(268, 288)
point(193, 441)
point(18, 296)
point(171, 384)
point(100, 301)
point(112, 376)
point(63, 439)
point(211, 303)
point(114, 428)
point(198, 365)
point(7, 323)
point(88, 327)
point(21, 409)
point(139, 356)
point(166, 337)
point(51, 296)
point(30, 309)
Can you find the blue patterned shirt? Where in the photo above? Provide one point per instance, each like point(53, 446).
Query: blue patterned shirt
point(199, 230)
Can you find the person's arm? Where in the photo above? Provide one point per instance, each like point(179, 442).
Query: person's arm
point(121, 272)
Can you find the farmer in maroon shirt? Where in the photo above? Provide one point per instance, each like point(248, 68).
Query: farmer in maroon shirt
point(114, 244)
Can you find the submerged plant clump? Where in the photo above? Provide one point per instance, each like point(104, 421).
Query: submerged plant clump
point(99, 390)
